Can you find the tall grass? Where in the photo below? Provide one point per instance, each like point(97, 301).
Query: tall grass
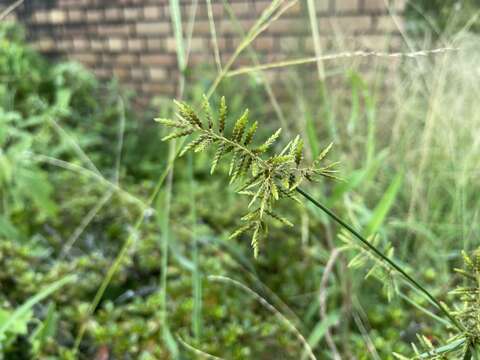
point(410, 167)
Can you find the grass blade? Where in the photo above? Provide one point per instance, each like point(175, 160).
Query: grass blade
point(384, 206)
point(30, 303)
point(196, 275)
point(319, 331)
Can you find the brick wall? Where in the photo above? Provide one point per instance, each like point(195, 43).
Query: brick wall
point(134, 41)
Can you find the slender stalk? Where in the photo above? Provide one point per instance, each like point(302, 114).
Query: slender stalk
point(383, 257)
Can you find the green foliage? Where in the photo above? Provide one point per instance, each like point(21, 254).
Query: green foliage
point(439, 16)
point(61, 112)
point(264, 179)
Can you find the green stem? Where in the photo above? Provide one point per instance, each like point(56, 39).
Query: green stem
point(383, 257)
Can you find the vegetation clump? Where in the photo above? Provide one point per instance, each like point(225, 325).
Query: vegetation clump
point(264, 179)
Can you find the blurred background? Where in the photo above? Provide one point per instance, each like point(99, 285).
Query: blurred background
point(113, 248)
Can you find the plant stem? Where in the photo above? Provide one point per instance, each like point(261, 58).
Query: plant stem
point(383, 257)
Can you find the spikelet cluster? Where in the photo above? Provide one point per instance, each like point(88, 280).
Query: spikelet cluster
point(255, 172)
point(463, 344)
point(469, 315)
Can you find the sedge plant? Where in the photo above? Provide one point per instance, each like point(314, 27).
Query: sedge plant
point(267, 177)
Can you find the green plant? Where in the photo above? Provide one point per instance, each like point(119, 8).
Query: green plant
point(267, 179)
point(264, 179)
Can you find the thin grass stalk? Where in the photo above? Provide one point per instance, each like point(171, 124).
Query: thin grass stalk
point(10, 9)
point(260, 26)
point(285, 321)
point(123, 251)
point(340, 55)
point(256, 61)
point(381, 256)
point(191, 23)
point(165, 222)
point(165, 244)
point(213, 33)
point(76, 147)
point(265, 81)
point(127, 196)
point(312, 15)
point(196, 275)
point(198, 351)
point(105, 198)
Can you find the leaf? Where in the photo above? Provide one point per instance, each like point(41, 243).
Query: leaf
point(319, 331)
point(232, 163)
point(323, 153)
point(281, 159)
point(312, 137)
point(258, 194)
point(177, 135)
point(250, 133)
point(193, 144)
point(274, 189)
point(255, 239)
point(238, 168)
point(384, 206)
point(7, 229)
point(222, 115)
point(240, 231)
point(251, 182)
point(203, 144)
point(208, 111)
point(239, 127)
point(45, 330)
point(187, 113)
point(170, 123)
point(216, 158)
point(299, 153)
point(279, 218)
point(28, 305)
point(266, 145)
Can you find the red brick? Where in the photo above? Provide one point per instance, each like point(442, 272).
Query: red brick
point(155, 43)
point(131, 13)
point(80, 43)
point(93, 15)
point(126, 59)
point(388, 23)
point(40, 17)
point(116, 44)
point(102, 72)
point(97, 44)
point(290, 44)
point(57, 16)
point(158, 73)
point(242, 8)
point(291, 26)
point(201, 28)
point(137, 73)
point(45, 44)
point(135, 44)
point(152, 12)
point(264, 43)
point(113, 14)
point(112, 30)
point(75, 15)
point(374, 5)
point(158, 59)
point(346, 24)
point(121, 73)
point(159, 28)
point(347, 5)
point(86, 58)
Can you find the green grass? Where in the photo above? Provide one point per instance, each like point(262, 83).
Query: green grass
point(409, 156)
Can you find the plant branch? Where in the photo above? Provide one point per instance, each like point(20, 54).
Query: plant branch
point(382, 256)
